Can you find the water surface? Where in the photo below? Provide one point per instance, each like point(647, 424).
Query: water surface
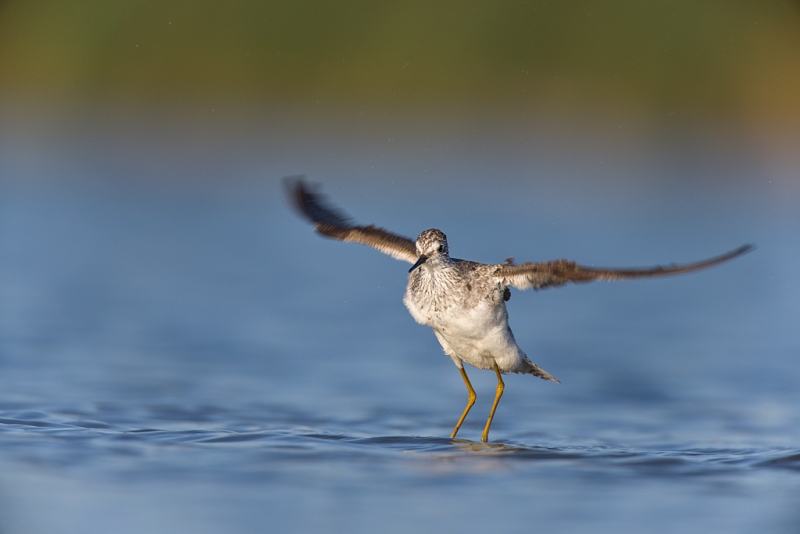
point(178, 359)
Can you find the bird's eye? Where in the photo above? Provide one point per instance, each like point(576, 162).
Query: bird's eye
point(441, 248)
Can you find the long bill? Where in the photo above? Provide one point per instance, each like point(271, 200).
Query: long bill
point(422, 259)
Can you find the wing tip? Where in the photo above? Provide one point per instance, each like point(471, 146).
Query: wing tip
point(297, 193)
point(735, 253)
point(309, 203)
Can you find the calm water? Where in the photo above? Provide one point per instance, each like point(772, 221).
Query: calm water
point(175, 359)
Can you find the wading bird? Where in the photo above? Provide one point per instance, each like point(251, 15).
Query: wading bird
point(464, 302)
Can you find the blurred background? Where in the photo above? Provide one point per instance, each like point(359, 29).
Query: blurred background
point(179, 352)
point(730, 62)
point(290, 85)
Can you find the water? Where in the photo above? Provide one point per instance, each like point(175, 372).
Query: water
point(179, 359)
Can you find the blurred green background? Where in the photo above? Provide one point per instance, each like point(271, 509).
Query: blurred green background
point(737, 60)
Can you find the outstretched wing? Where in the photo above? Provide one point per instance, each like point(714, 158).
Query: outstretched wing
point(555, 273)
point(332, 223)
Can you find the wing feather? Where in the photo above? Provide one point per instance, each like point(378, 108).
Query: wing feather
point(330, 222)
point(555, 273)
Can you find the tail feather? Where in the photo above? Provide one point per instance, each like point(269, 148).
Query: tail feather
point(532, 369)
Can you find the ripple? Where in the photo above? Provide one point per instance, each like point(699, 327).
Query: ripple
point(168, 443)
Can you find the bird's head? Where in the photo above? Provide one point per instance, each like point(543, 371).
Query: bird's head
point(431, 246)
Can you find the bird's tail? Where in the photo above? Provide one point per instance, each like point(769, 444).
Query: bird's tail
point(532, 369)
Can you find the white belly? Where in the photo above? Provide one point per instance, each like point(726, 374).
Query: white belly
point(473, 330)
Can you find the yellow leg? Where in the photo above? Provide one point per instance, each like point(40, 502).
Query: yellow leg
point(470, 402)
point(500, 387)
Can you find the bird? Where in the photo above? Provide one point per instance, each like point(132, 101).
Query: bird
point(464, 302)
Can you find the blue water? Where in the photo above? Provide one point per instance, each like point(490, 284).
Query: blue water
point(177, 358)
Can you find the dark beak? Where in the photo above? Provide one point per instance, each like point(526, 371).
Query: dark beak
point(422, 259)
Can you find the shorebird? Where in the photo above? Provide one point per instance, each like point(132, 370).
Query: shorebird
point(464, 302)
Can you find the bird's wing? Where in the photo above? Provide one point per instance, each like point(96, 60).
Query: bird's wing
point(332, 223)
point(555, 273)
